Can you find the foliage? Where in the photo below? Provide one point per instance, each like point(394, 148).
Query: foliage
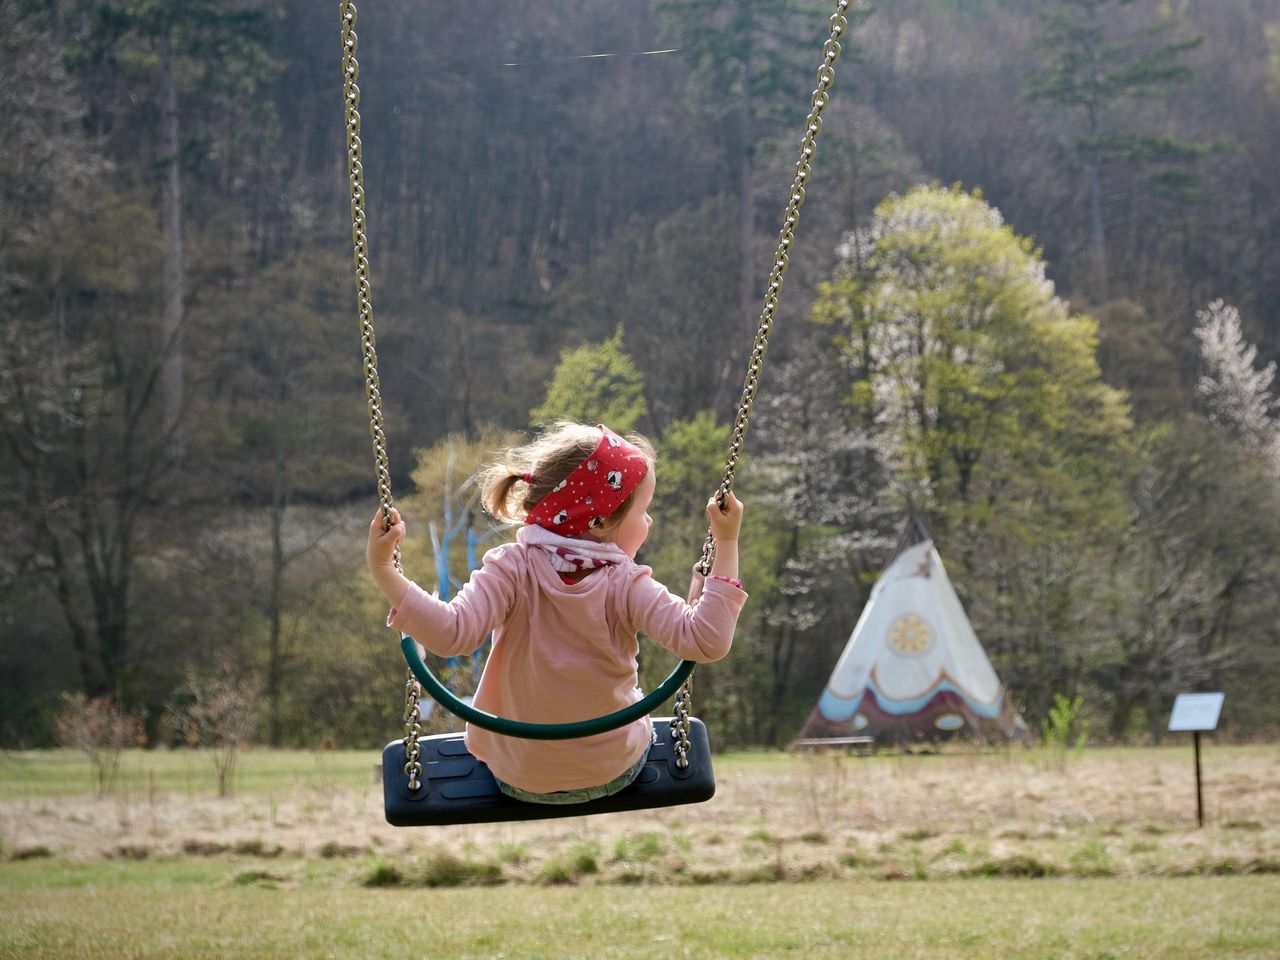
point(1235, 395)
point(446, 499)
point(102, 729)
point(1097, 69)
point(83, 444)
point(1190, 577)
point(994, 423)
point(1064, 731)
point(595, 383)
point(219, 709)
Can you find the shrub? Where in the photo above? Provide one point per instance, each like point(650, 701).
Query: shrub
point(578, 862)
point(218, 709)
point(1017, 865)
point(258, 848)
point(333, 850)
point(1064, 730)
point(37, 852)
point(447, 870)
point(384, 875)
point(102, 729)
point(640, 848)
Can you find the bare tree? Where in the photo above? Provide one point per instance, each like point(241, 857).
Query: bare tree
point(219, 710)
point(102, 729)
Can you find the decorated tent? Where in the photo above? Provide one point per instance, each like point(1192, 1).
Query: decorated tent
point(913, 669)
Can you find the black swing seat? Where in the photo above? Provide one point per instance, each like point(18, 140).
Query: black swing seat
point(458, 788)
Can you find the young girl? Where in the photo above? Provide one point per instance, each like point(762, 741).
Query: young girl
point(565, 602)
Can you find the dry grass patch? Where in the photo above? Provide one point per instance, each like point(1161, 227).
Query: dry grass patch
point(1121, 813)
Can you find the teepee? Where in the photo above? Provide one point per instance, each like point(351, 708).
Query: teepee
point(913, 669)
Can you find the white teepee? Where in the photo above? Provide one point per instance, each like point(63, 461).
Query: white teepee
point(913, 668)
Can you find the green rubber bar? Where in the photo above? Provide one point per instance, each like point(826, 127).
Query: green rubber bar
point(540, 731)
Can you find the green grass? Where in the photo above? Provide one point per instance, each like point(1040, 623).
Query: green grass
point(258, 915)
point(938, 857)
point(176, 874)
point(59, 773)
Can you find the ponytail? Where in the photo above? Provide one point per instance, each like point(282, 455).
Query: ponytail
point(515, 484)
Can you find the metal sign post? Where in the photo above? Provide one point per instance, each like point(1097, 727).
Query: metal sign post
point(1196, 712)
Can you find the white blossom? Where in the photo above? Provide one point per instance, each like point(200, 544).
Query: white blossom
point(1235, 395)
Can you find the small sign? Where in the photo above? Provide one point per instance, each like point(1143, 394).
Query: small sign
point(1196, 711)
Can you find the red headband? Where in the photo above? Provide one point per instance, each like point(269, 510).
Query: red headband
point(594, 490)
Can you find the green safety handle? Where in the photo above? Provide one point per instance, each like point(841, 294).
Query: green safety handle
point(540, 731)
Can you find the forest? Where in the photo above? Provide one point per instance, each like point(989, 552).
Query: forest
point(1033, 301)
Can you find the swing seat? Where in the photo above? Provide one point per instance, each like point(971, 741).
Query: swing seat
point(458, 788)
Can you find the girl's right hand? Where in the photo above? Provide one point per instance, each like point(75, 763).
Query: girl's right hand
point(381, 549)
point(725, 521)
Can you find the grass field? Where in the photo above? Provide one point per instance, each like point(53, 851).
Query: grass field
point(978, 855)
point(1229, 917)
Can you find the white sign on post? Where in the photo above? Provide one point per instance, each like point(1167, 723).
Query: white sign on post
point(1196, 711)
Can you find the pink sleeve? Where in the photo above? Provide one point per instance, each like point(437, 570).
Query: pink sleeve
point(700, 629)
point(458, 627)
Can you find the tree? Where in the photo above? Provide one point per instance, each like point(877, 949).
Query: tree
point(446, 496)
point(219, 50)
point(1190, 590)
point(78, 369)
point(595, 383)
point(995, 424)
point(102, 730)
point(1094, 70)
point(218, 709)
point(1236, 397)
point(821, 479)
point(754, 58)
point(272, 356)
point(669, 284)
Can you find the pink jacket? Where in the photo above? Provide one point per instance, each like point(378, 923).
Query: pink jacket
point(565, 652)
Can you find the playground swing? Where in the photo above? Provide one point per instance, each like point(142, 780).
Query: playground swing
point(435, 780)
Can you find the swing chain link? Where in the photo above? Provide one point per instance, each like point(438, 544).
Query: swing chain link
point(412, 730)
point(680, 728)
point(838, 24)
point(368, 346)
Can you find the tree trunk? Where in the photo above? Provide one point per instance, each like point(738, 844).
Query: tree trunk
point(279, 503)
point(174, 280)
point(747, 215)
point(1097, 230)
point(1121, 711)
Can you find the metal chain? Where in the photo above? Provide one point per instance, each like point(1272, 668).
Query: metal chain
point(680, 727)
point(368, 346)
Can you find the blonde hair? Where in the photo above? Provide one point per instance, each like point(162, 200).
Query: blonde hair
point(547, 459)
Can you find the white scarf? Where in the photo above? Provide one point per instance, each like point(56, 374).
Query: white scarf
point(571, 554)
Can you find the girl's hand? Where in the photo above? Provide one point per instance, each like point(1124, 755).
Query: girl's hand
point(725, 521)
point(381, 549)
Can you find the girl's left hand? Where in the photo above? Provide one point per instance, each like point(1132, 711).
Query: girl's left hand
point(381, 549)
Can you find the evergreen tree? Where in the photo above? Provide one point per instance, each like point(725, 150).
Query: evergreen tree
point(753, 60)
point(1097, 69)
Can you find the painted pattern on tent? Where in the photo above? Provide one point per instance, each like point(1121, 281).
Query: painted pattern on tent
point(913, 668)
